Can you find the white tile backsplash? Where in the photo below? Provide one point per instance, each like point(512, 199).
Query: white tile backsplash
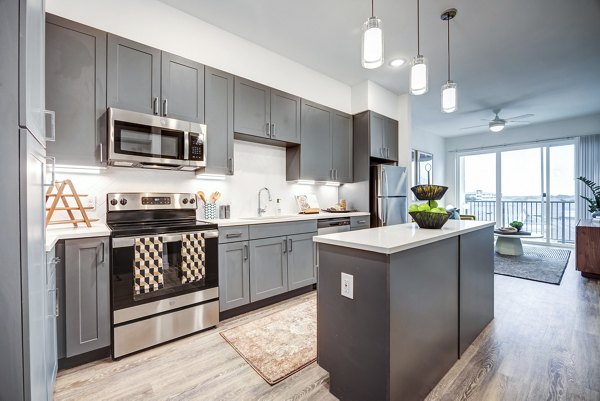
point(256, 166)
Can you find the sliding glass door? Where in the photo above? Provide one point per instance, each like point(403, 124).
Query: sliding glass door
point(534, 185)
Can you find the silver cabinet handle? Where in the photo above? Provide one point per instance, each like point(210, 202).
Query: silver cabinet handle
point(284, 246)
point(268, 129)
point(55, 314)
point(245, 252)
point(165, 105)
point(230, 165)
point(273, 130)
point(57, 306)
point(52, 115)
point(101, 153)
point(52, 161)
point(155, 106)
point(336, 174)
point(233, 235)
point(101, 246)
point(290, 249)
point(361, 222)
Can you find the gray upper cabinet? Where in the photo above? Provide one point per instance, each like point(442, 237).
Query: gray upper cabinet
point(263, 112)
point(133, 76)
point(182, 88)
point(252, 108)
point(341, 157)
point(383, 134)
point(268, 267)
point(285, 117)
point(87, 278)
point(325, 153)
point(218, 103)
point(76, 91)
point(234, 275)
point(301, 261)
point(32, 30)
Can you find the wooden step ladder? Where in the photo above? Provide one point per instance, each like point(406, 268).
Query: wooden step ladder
point(61, 196)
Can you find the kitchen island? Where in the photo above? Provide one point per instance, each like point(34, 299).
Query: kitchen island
point(418, 299)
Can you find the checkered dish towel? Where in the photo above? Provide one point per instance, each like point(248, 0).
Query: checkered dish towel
point(148, 265)
point(192, 258)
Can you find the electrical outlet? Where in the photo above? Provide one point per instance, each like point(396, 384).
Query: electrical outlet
point(348, 285)
point(91, 202)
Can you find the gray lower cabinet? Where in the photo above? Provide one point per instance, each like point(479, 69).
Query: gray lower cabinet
point(51, 313)
point(76, 91)
point(268, 267)
point(325, 153)
point(87, 295)
point(264, 112)
point(133, 76)
point(182, 88)
point(234, 275)
point(218, 104)
point(301, 267)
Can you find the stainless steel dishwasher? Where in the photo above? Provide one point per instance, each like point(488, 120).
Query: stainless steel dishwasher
point(333, 225)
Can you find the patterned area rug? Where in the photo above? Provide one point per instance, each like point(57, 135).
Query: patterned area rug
point(278, 345)
point(538, 263)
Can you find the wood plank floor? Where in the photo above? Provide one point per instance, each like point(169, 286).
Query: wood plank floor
point(544, 344)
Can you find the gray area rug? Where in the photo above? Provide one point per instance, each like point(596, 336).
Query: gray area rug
point(537, 263)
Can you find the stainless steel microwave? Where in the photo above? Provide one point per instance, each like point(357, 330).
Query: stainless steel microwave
point(148, 141)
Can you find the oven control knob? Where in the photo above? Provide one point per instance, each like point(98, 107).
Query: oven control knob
point(185, 201)
point(114, 202)
point(123, 201)
point(192, 201)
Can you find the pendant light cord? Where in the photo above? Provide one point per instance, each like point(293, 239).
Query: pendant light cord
point(448, 46)
point(418, 29)
point(372, 8)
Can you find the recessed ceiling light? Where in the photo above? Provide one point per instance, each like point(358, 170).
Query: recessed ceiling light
point(397, 62)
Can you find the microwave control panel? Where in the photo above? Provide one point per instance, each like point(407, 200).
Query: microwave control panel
point(196, 146)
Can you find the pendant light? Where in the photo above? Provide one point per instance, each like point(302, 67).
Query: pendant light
point(418, 70)
point(449, 99)
point(372, 42)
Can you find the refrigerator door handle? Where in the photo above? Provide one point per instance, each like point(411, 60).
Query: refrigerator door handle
point(384, 210)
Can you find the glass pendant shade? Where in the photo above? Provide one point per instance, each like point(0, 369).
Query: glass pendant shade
point(372, 43)
point(419, 76)
point(449, 97)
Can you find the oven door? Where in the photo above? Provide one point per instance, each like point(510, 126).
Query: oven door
point(122, 269)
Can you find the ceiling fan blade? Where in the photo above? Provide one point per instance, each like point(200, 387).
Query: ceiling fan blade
point(518, 122)
point(475, 126)
point(520, 117)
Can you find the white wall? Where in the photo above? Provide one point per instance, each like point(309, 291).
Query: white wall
point(256, 166)
point(159, 25)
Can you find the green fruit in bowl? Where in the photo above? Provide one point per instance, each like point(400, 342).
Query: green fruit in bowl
point(424, 207)
point(433, 204)
point(414, 207)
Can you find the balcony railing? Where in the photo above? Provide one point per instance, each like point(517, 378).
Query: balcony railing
point(532, 214)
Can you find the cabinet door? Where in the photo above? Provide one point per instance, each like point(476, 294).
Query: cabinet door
point(182, 88)
point(301, 261)
point(234, 275)
point(376, 133)
point(252, 108)
point(390, 140)
point(315, 161)
point(133, 76)
point(285, 117)
point(76, 91)
point(31, 67)
point(219, 121)
point(51, 354)
point(268, 268)
point(341, 136)
point(87, 295)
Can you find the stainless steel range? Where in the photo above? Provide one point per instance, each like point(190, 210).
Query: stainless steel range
point(164, 269)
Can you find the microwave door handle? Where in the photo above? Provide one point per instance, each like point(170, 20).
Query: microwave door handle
point(186, 145)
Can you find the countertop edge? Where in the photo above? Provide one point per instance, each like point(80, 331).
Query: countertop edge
point(57, 234)
point(285, 219)
point(403, 247)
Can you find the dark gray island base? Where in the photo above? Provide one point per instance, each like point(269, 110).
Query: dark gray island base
point(414, 312)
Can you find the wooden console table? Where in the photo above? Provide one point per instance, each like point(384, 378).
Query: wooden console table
point(587, 248)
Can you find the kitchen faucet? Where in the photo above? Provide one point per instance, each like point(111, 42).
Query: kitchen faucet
point(261, 210)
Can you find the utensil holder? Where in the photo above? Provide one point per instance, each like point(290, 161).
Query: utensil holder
point(210, 211)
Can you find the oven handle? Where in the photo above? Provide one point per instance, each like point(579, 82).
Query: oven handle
point(125, 242)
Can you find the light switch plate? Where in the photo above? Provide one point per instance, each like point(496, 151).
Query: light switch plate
point(348, 285)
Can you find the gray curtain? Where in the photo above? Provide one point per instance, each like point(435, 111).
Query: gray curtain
point(588, 165)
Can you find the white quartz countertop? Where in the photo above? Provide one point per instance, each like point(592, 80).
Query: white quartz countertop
point(396, 238)
point(67, 231)
point(282, 219)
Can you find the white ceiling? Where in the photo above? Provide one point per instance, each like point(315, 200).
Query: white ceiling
point(520, 56)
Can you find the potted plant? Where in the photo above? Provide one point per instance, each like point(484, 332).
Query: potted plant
point(517, 224)
point(594, 201)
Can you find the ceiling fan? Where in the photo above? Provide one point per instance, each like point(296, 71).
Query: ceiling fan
point(498, 124)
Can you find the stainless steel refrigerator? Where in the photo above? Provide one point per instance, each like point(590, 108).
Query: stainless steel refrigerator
point(388, 195)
